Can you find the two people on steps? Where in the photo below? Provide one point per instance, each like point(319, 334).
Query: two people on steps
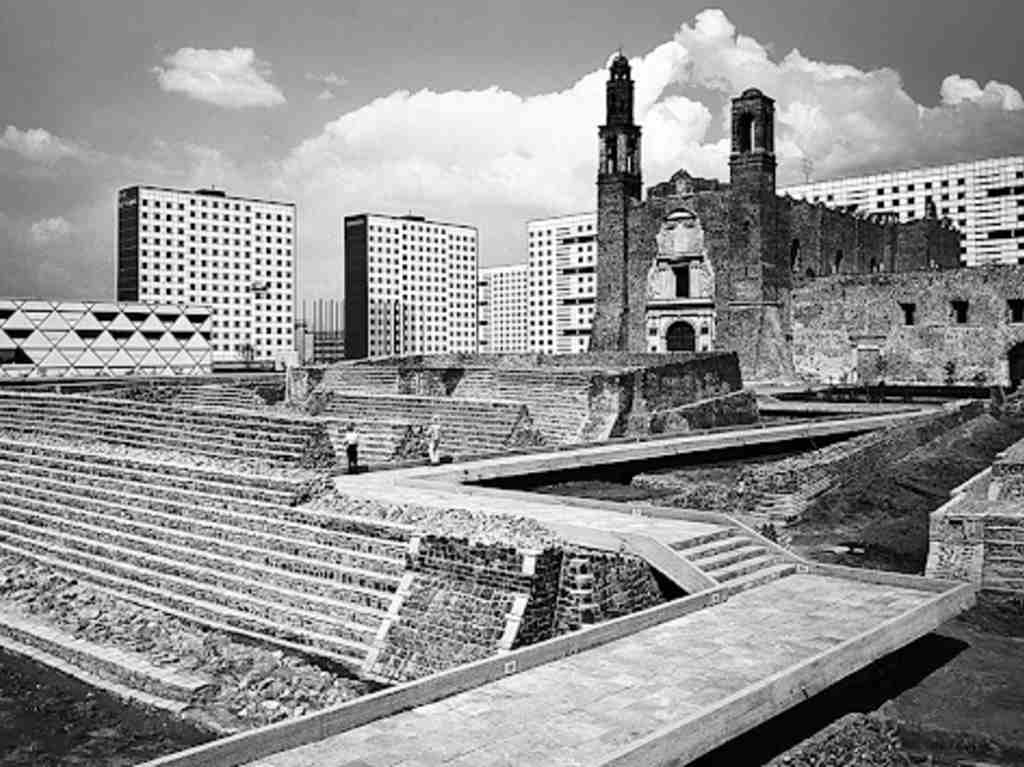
point(433, 444)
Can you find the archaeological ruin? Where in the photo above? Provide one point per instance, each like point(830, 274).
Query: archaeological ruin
point(195, 543)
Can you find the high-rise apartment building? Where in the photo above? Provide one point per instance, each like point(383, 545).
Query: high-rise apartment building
point(984, 200)
point(235, 255)
point(503, 309)
point(410, 286)
point(562, 254)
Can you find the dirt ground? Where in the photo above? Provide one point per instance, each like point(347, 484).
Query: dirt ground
point(886, 521)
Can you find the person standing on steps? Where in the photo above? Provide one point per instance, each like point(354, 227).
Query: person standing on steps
point(434, 440)
point(352, 448)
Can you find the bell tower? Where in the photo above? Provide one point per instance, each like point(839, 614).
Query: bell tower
point(619, 159)
point(752, 161)
point(619, 190)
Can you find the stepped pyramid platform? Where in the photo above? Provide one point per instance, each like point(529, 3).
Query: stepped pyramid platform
point(224, 549)
point(216, 434)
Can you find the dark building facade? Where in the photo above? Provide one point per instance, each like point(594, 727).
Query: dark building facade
point(703, 265)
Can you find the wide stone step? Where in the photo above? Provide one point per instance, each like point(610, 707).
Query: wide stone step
point(162, 412)
point(759, 577)
point(229, 423)
point(717, 562)
point(187, 607)
point(382, 540)
point(714, 547)
point(743, 567)
point(85, 464)
point(339, 583)
point(131, 514)
point(294, 610)
point(341, 604)
point(77, 431)
point(695, 542)
point(264, 439)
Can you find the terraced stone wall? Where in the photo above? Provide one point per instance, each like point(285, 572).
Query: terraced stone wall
point(462, 601)
point(978, 536)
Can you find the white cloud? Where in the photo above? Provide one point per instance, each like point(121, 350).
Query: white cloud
point(50, 230)
point(40, 146)
point(232, 78)
point(956, 90)
point(325, 95)
point(331, 79)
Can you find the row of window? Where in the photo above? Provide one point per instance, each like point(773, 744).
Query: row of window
point(959, 311)
point(216, 205)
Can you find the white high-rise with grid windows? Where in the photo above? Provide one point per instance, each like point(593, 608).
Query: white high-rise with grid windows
point(503, 309)
point(235, 255)
point(410, 286)
point(983, 199)
point(562, 254)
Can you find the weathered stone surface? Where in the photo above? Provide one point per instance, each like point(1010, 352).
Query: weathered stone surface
point(254, 684)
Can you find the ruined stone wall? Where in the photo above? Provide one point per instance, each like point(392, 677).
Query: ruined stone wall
point(838, 321)
point(462, 600)
point(725, 410)
point(978, 536)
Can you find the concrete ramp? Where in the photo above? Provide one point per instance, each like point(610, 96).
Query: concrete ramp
point(661, 687)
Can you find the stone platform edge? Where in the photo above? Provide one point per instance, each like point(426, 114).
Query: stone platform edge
point(169, 690)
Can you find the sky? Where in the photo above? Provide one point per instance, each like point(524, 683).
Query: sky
point(473, 111)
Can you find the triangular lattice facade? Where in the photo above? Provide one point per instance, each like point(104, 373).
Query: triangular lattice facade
point(86, 338)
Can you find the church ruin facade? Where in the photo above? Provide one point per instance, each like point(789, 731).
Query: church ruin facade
point(701, 265)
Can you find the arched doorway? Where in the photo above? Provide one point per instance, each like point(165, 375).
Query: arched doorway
point(681, 337)
point(1016, 359)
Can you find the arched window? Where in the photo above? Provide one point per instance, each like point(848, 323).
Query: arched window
point(681, 337)
point(794, 254)
point(745, 126)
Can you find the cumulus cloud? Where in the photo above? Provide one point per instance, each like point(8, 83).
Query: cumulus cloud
point(325, 95)
point(50, 230)
point(40, 146)
point(232, 78)
point(956, 90)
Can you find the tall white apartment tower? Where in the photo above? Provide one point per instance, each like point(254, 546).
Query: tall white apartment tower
point(562, 282)
point(984, 200)
point(410, 286)
point(503, 303)
point(235, 255)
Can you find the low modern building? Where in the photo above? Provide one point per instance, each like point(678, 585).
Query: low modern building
point(503, 309)
point(410, 286)
point(562, 254)
point(233, 254)
point(983, 199)
point(46, 337)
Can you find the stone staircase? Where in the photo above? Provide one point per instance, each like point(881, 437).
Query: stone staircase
point(234, 436)
point(558, 400)
point(219, 549)
point(785, 508)
point(468, 427)
point(732, 557)
point(380, 379)
point(218, 396)
point(379, 441)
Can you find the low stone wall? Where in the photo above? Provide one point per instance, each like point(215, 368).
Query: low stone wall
point(978, 536)
point(850, 463)
point(726, 410)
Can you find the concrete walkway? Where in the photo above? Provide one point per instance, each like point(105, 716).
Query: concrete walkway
point(583, 709)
